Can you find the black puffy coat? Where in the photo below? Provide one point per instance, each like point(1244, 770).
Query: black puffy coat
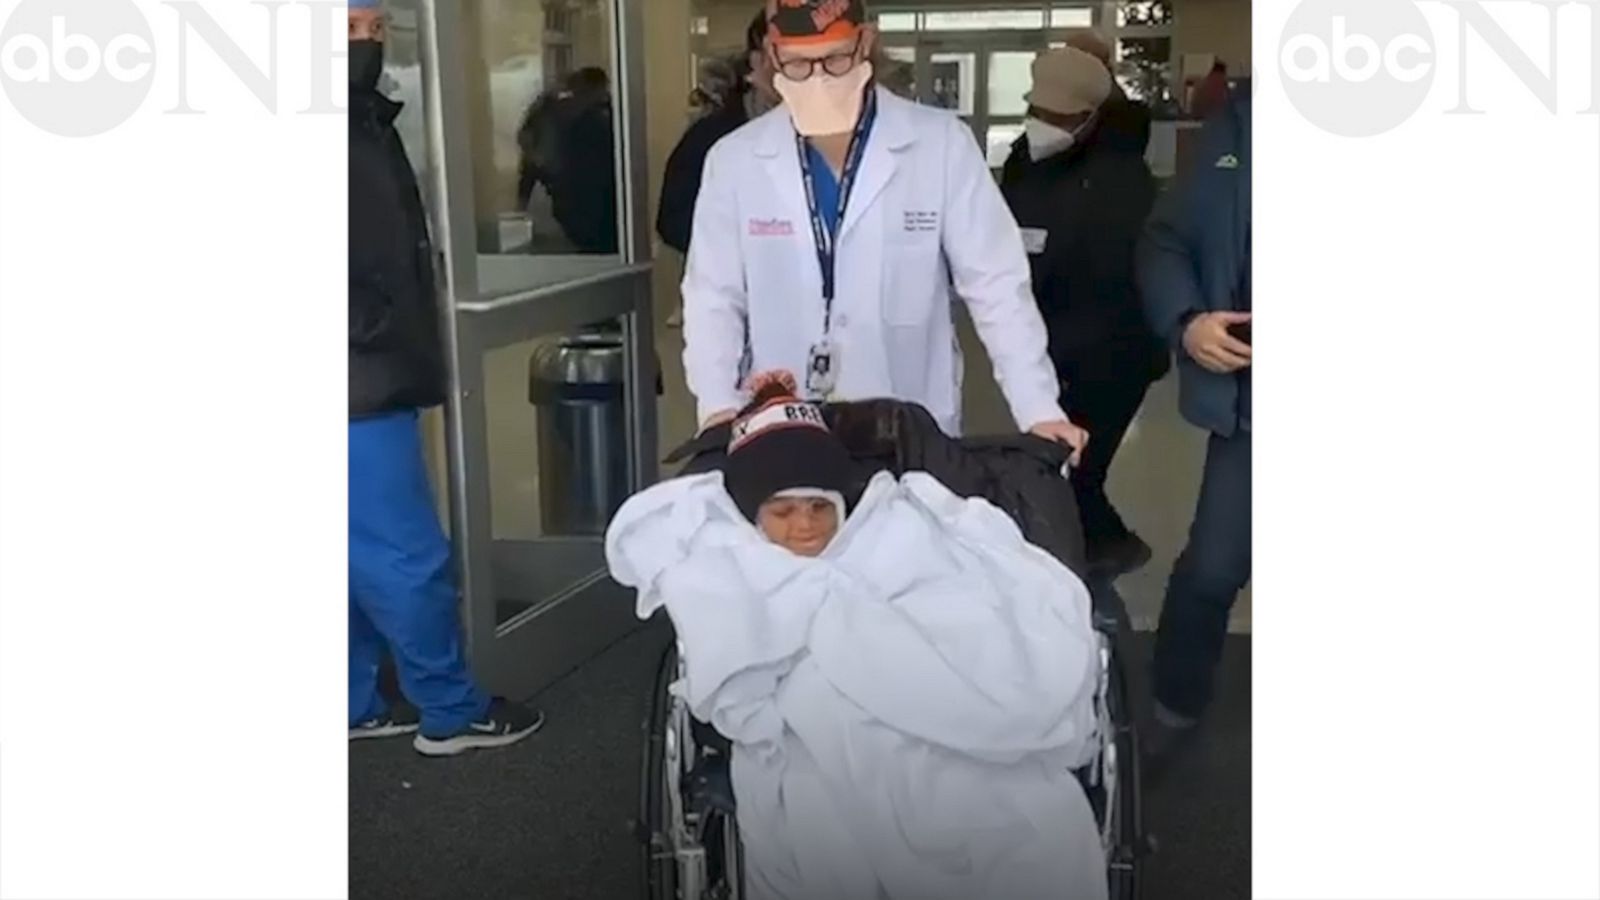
point(396, 355)
point(1126, 122)
point(1092, 202)
point(680, 183)
point(1020, 474)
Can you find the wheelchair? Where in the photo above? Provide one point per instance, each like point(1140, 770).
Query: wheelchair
point(687, 817)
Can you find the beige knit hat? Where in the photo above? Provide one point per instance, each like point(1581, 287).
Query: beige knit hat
point(1068, 81)
point(1091, 42)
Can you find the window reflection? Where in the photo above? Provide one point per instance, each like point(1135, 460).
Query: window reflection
point(983, 20)
point(566, 158)
point(402, 81)
point(999, 141)
point(1010, 78)
point(954, 77)
point(543, 119)
point(1072, 17)
point(1144, 69)
point(1144, 13)
point(897, 21)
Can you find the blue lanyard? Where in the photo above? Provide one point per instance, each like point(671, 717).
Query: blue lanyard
point(826, 250)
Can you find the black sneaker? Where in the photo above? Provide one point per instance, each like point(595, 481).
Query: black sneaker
point(1165, 738)
point(1119, 556)
point(503, 725)
point(402, 718)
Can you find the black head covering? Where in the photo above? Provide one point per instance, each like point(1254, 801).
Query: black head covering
point(780, 443)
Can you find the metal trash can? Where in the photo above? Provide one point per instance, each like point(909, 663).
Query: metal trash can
point(577, 385)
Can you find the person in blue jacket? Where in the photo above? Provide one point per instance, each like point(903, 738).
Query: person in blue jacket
point(403, 595)
point(1194, 276)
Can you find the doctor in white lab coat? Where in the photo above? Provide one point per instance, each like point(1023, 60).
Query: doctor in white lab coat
point(921, 215)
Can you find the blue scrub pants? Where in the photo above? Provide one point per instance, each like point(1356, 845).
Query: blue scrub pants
point(402, 584)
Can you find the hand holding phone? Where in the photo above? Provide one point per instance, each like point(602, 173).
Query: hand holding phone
point(1210, 341)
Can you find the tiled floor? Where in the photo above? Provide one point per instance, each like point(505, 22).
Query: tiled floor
point(552, 818)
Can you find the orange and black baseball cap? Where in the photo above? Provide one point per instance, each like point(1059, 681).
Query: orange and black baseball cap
point(792, 22)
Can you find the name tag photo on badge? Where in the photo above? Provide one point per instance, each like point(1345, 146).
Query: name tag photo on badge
point(820, 371)
point(1034, 239)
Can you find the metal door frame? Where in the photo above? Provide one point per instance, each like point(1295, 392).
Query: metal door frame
point(519, 656)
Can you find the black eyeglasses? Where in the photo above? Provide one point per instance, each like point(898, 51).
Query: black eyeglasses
point(800, 69)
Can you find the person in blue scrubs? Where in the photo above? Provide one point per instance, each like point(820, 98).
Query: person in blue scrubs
point(403, 595)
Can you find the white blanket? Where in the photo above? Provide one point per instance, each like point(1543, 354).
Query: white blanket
point(905, 709)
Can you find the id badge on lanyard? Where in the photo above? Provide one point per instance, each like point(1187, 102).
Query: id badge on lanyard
point(822, 362)
point(821, 375)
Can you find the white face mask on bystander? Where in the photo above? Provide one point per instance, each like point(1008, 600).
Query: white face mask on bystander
point(1046, 140)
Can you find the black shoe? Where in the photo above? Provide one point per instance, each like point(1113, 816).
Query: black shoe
point(711, 783)
point(1163, 741)
point(402, 718)
point(503, 725)
point(1118, 556)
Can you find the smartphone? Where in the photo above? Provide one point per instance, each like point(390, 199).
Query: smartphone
point(1240, 332)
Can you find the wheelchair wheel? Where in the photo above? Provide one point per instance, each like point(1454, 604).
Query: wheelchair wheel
point(1124, 830)
point(692, 849)
point(659, 865)
point(691, 845)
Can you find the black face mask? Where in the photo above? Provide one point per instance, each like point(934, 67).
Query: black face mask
point(366, 64)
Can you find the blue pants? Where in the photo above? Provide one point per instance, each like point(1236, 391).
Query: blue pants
point(402, 585)
point(1206, 580)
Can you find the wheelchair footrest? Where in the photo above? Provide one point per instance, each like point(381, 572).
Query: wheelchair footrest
point(710, 784)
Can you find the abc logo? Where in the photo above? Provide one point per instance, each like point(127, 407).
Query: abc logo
point(76, 69)
point(73, 57)
point(1355, 57)
point(1357, 68)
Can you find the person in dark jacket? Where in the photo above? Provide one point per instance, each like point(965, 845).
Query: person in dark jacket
point(402, 586)
point(566, 144)
point(536, 141)
point(680, 182)
point(1126, 120)
point(1081, 190)
point(1194, 273)
point(583, 193)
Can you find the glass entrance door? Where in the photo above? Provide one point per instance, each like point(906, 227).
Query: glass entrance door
point(983, 78)
point(532, 121)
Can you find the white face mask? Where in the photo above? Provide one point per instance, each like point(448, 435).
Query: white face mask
point(823, 103)
point(1046, 140)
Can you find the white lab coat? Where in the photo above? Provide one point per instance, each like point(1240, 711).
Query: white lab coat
point(905, 709)
point(925, 213)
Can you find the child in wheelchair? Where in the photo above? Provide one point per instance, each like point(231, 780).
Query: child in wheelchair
point(907, 683)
